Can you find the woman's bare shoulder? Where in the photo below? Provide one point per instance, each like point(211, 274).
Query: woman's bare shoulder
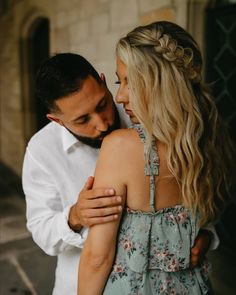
point(121, 136)
point(120, 144)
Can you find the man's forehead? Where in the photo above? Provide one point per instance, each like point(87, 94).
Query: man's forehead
point(91, 87)
point(90, 93)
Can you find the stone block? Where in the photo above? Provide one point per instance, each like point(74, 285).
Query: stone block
point(100, 24)
point(16, 246)
point(86, 49)
point(13, 228)
point(10, 281)
point(109, 70)
point(60, 5)
point(87, 8)
point(106, 46)
point(79, 31)
point(148, 5)
point(74, 15)
point(38, 261)
point(61, 40)
point(166, 13)
point(123, 14)
point(61, 19)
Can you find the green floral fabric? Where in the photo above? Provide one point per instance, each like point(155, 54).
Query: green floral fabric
point(153, 248)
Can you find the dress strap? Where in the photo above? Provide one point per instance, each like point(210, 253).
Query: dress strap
point(151, 167)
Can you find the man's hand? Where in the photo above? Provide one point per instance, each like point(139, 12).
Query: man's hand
point(200, 247)
point(94, 206)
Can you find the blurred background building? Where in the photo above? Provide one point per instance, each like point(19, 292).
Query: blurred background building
point(32, 30)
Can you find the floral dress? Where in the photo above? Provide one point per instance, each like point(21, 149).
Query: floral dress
point(153, 249)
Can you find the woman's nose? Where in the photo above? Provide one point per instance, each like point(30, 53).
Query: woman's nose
point(121, 96)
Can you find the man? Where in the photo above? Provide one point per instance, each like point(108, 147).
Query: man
point(61, 156)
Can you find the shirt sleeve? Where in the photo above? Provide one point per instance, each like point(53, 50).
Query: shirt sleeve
point(47, 218)
point(215, 239)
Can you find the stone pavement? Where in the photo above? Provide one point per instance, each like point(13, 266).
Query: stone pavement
point(26, 270)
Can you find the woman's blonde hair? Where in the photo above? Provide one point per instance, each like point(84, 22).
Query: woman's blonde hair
point(168, 97)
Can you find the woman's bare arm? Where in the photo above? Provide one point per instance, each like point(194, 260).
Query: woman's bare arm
point(99, 250)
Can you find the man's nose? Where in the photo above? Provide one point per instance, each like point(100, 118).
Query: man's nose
point(101, 123)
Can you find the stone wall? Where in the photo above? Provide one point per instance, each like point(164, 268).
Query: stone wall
point(88, 27)
point(12, 139)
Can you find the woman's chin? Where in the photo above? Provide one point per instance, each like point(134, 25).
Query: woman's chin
point(134, 120)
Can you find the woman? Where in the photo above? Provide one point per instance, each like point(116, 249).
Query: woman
point(177, 140)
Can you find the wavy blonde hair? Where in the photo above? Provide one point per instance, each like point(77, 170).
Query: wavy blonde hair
point(168, 97)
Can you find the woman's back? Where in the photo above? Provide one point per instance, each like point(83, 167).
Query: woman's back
point(167, 192)
point(154, 242)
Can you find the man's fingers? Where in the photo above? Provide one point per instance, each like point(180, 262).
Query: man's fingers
point(99, 205)
point(98, 193)
point(102, 212)
point(100, 220)
point(200, 248)
point(103, 202)
point(194, 260)
point(89, 183)
point(195, 251)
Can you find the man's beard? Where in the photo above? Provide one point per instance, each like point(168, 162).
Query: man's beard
point(96, 142)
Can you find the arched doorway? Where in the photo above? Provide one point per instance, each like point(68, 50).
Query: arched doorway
point(39, 51)
point(221, 72)
point(34, 50)
point(221, 58)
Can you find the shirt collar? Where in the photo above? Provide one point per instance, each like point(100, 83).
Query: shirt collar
point(68, 139)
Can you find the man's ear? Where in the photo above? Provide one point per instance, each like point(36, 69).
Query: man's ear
point(102, 76)
point(52, 117)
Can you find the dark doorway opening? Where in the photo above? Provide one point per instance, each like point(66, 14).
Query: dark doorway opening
point(220, 43)
point(39, 51)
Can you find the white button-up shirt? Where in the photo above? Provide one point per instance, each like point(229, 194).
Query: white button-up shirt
point(56, 166)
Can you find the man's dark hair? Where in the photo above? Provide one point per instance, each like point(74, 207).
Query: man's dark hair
point(62, 75)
